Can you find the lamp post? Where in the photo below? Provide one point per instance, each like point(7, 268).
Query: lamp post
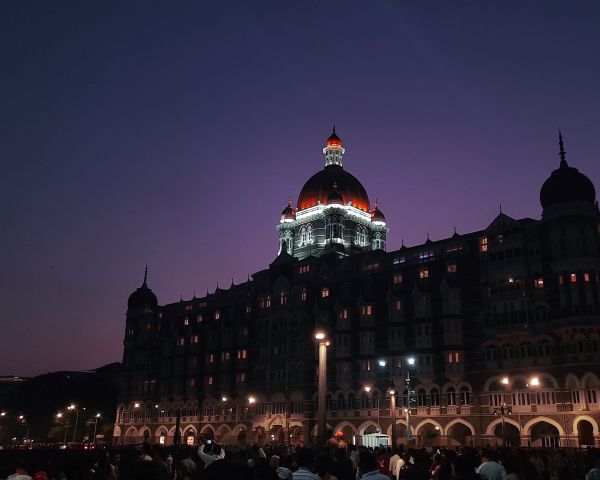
point(74, 407)
point(24, 421)
point(97, 416)
point(392, 393)
point(409, 393)
point(503, 411)
point(59, 416)
point(321, 337)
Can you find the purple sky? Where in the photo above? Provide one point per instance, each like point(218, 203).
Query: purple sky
point(172, 133)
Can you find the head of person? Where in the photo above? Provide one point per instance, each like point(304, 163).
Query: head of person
point(463, 465)
point(367, 462)
point(489, 455)
point(305, 457)
point(274, 461)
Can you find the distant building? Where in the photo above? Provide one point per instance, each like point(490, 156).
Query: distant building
point(503, 324)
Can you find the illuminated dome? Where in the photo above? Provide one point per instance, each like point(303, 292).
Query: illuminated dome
point(289, 213)
point(377, 215)
point(318, 187)
point(143, 297)
point(566, 184)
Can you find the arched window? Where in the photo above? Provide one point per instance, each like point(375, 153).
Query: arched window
point(451, 396)
point(302, 239)
point(351, 401)
point(340, 402)
point(435, 397)
point(421, 397)
point(364, 400)
point(465, 396)
point(303, 294)
point(309, 233)
point(376, 399)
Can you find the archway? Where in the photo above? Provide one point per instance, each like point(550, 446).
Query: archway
point(544, 434)
point(161, 435)
point(208, 433)
point(586, 433)
point(223, 434)
point(261, 435)
point(511, 436)
point(296, 435)
point(428, 434)
point(189, 437)
point(459, 433)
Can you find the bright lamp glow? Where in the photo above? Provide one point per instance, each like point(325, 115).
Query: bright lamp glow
point(382, 363)
point(504, 380)
point(251, 399)
point(136, 405)
point(320, 335)
point(367, 389)
point(97, 415)
point(223, 398)
point(535, 381)
point(411, 360)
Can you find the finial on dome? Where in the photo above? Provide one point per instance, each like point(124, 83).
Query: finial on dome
point(376, 204)
point(289, 201)
point(500, 208)
point(333, 149)
point(145, 275)
point(562, 152)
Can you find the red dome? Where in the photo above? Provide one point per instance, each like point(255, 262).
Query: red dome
point(320, 185)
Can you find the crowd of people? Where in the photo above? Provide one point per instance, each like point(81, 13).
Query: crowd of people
point(336, 461)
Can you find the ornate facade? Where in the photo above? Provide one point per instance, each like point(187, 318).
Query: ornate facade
point(503, 324)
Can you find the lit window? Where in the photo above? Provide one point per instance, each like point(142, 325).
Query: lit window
point(325, 292)
point(242, 354)
point(344, 314)
point(397, 278)
point(217, 314)
point(248, 309)
point(450, 358)
point(456, 357)
point(282, 298)
point(451, 268)
point(424, 273)
point(195, 339)
point(304, 269)
point(199, 319)
point(202, 305)
point(538, 283)
point(188, 307)
point(511, 279)
point(131, 332)
point(561, 280)
point(210, 358)
point(161, 315)
point(573, 278)
point(186, 321)
point(181, 341)
point(483, 244)
point(366, 310)
point(225, 356)
point(303, 295)
point(398, 305)
point(586, 277)
point(209, 380)
point(240, 377)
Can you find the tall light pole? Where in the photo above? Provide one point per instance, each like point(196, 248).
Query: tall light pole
point(59, 415)
point(321, 337)
point(74, 407)
point(503, 411)
point(409, 394)
point(96, 426)
point(392, 393)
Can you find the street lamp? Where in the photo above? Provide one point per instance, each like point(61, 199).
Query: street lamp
point(392, 393)
point(59, 416)
point(97, 416)
point(409, 394)
point(74, 407)
point(503, 411)
point(321, 337)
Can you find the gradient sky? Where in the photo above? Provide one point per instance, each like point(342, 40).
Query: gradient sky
point(172, 133)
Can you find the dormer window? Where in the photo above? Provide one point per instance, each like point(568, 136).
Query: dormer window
point(423, 273)
point(324, 292)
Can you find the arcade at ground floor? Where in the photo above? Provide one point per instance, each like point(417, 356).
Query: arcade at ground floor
point(572, 430)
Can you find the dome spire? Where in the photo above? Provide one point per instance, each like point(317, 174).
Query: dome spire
point(562, 152)
point(333, 149)
point(145, 276)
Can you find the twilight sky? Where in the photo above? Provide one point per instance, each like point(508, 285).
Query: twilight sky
point(172, 133)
